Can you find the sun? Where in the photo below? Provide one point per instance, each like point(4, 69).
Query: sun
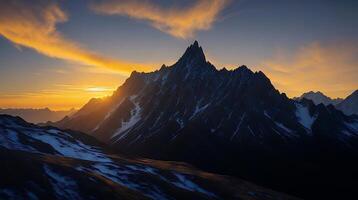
point(98, 89)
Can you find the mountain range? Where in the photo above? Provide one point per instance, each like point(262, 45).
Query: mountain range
point(349, 105)
point(230, 122)
point(49, 163)
point(37, 115)
point(318, 97)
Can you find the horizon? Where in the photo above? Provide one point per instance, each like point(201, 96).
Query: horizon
point(61, 54)
point(111, 92)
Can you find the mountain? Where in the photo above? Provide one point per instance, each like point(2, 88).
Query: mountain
point(350, 104)
point(49, 163)
point(318, 97)
point(37, 115)
point(230, 122)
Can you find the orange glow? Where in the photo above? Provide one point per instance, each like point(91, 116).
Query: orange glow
point(60, 99)
point(98, 89)
point(331, 69)
point(35, 27)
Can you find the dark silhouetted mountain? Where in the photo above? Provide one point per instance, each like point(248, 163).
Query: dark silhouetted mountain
point(49, 163)
point(227, 121)
point(37, 115)
point(318, 97)
point(350, 104)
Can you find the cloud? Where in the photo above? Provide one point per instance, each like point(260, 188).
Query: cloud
point(330, 68)
point(33, 25)
point(178, 22)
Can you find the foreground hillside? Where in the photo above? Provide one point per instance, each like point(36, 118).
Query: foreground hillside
point(48, 163)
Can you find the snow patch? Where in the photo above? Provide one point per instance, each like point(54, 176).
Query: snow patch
point(149, 170)
point(121, 175)
point(304, 116)
point(10, 140)
point(127, 125)
point(198, 110)
point(267, 115)
point(283, 127)
point(184, 183)
point(352, 128)
point(65, 147)
point(238, 126)
point(108, 115)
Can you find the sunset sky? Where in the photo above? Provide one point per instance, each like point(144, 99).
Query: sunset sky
point(59, 54)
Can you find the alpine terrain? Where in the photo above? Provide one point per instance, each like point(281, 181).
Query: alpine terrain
point(350, 104)
point(318, 97)
point(230, 122)
point(48, 163)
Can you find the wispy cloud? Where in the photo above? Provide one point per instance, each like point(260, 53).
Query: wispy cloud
point(330, 68)
point(176, 21)
point(33, 25)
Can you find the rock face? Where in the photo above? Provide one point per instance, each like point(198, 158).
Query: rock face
point(48, 163)
point(350, 104)
point(318, 97)
point(232, 122)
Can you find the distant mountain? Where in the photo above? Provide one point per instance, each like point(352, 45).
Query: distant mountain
point(350, 104)
point(37, 115)
point(227, 121)
point(48, 163)
point(318, 97)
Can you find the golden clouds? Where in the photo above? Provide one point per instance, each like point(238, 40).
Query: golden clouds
point(178, 22)
point(330, 68)
point(34, 26)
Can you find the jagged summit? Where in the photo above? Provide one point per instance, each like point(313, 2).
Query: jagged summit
point(194, 55)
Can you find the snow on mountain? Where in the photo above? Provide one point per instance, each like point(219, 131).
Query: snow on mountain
point(219, 120)
point(350, 104)
point(49, 163)
point(304, 116)
point(318, 97)
point(134, 118)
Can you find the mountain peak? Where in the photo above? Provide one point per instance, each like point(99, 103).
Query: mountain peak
point(319, 97)
point(196, 43)
point(355, 93)
point(193, 55)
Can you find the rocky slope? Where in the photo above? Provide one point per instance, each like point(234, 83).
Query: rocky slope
point(48, 163)
point(350, 104)
point(227, 121)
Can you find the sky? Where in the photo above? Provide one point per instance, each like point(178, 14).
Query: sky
point(59, 54)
